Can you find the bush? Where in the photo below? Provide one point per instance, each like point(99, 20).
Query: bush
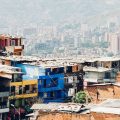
point(80, 97)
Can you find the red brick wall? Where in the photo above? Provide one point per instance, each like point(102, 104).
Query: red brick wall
point(105, 92)
point(102, 116)
point(65, 116)
point(73, 116)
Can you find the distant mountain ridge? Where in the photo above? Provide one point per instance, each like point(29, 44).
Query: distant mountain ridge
point(19, 12)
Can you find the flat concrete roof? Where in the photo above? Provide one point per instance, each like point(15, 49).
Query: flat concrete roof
point(94, 69)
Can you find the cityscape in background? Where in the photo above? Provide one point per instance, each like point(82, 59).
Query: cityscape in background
point(60, 59)
point(63, 28)
point(70, 39)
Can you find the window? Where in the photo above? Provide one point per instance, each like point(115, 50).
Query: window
point(75, 90)
point(61, 70)
point(3, 62)
point(27, 87)
point(17, 78)
point(44, 82)
point(69, 69)
point(107, 75)
point(86, 74)
point(55, 70)
point(45, 95)
point(75, 78)
point(40, 82)
point(17, 90)
point(70, 79)
point(34, 88)
point(12, 43)
point(71, 92)
point(13, 90)
point(20, 89)
point(52, 94)
point(66, 80)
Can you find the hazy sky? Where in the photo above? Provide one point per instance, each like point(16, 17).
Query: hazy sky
point(18, 12)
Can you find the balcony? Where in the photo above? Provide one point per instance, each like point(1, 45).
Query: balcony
point(23, 94)
point(4, 94)
point(30, 95)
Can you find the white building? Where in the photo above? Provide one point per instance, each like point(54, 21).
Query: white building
point(97, 75)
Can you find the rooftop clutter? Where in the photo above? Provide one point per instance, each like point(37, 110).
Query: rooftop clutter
point(64, 111)
point(32, 78)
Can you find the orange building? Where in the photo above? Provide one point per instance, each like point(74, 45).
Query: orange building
point(12, 45)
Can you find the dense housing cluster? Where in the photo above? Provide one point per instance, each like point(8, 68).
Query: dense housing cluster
point(26, 80)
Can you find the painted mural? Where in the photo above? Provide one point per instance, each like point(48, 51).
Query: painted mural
point(31, 72)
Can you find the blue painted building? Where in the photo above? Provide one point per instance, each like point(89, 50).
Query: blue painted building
point(50, 81)
point(51, 85)
point(51, 88)
point(55, 84)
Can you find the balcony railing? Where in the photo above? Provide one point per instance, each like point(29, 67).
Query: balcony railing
point(13, 93)
point(23, 96)
point(29, 91)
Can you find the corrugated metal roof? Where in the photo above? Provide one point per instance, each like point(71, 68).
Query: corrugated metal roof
point(69, 107)
point(44, 106)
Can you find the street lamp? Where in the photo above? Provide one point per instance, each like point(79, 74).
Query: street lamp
point(16, 110)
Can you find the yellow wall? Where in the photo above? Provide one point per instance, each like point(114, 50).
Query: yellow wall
point(30, 95)
point(30, 82)
point(24, 96)
point(15, 83)
point(24, 82)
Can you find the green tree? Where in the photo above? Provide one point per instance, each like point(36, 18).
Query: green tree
point(81, 97)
